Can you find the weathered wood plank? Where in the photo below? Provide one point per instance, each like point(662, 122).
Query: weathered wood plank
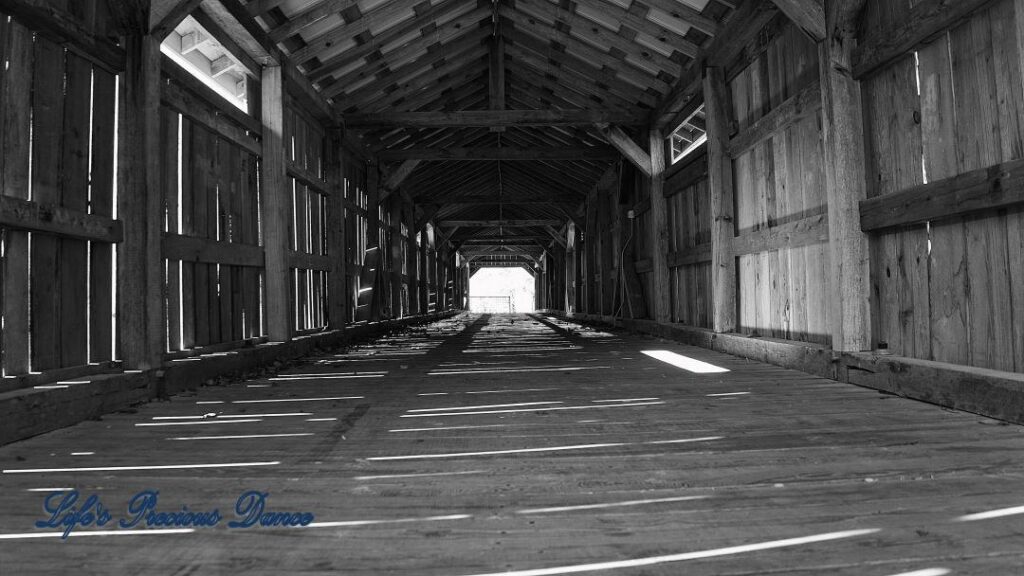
point(927, 18)
point(689, 256)
point(57, 25)
point(101, 203)
point(805, 232)
point(984, 190)
point(209, 251)
point(200, 111)
point(57, 220)
point(804, 104)
point(47, 140)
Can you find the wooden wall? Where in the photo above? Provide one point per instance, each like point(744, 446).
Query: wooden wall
point(205, 203)
point(689, 221)
point(779, 188)
point(56, 181)
point(309, 218)
point(949, 289)
point(212, 257)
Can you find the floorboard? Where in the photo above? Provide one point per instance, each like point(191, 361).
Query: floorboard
point(527, 446)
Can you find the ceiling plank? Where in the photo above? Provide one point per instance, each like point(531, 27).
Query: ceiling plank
point(347, 58)
point(384, 12)
point(312, 14)
point(455, 51)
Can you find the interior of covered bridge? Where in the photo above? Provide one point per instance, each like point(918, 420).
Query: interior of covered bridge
point(511, 287)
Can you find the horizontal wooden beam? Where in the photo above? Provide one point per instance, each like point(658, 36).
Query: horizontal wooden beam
point(215, 101)
point(927, 18)
point(198, 110)
point(690, 256)
point(57, 25)
point(796, 108)
point(540, 153)
point(18, 214)
point(999, 186)
point(496, 223)
point(806, 232)
point(306, 177)
point(191, 249)
point(488, 118)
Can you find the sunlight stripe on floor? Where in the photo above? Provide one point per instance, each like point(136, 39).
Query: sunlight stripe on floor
point(716, 552)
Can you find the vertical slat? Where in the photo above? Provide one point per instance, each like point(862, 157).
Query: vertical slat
point(188, 228)
point(73, 254)
point(14, 179)
point(199, 159)
point(169, 148)
point(101, 202)
point(47, 104)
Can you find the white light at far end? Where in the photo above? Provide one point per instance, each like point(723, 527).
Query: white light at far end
point(684, 362)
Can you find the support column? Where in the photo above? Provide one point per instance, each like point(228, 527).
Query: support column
point(718, 110)
point(843, 133)
point(337, 286)
point(661, 305)
point(412, 258)
point(368, 307)
point(424, 273)
point(140, 317)
point(396, 256)
point(273, 188)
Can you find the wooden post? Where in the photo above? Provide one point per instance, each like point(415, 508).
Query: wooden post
point(411, 258)
point(274, 190)
point(396, 256)
point(717, 110)
point(139, 278)
point(368, 307)
point(424, 273)
point(842, 129)
point(337, 286)
point(661, 305)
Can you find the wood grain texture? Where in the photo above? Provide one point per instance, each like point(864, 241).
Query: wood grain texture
point(831, 456)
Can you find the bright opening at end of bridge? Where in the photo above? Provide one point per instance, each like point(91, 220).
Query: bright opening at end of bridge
point(501, 291)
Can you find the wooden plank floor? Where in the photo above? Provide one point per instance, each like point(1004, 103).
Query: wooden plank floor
point(508, 445)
